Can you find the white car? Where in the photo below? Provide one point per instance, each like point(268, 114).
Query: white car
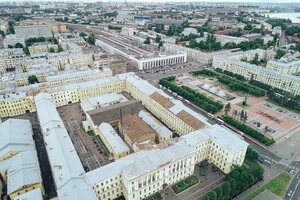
point(289, 193)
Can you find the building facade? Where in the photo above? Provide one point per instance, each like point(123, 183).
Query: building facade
point(267, 75)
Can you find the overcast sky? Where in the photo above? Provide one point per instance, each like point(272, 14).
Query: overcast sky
point(248, 1)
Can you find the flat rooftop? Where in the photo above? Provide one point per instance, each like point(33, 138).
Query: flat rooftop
point(134, 127)
point(111, 113)
point(165, 102)
point(190, 120)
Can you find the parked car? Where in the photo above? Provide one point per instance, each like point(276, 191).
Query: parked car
point(289, 194)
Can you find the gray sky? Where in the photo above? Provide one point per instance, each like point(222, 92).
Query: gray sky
point(247, 1)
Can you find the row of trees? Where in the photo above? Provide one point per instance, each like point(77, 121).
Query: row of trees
point(236, 85)
point(234, 75)
point(212, 45)
point(281, 97)
point(189, 37)
point(205, 72)
point(193, 96)
point(248, 130)
point(239, 179)
point(29, 42)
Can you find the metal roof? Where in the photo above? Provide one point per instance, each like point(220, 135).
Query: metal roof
point(112, 137)
point(16, 135)
point(66, 167)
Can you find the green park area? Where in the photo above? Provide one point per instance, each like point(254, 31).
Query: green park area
point(277, 185)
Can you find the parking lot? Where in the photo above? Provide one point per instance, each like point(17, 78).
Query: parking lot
point(92, 154)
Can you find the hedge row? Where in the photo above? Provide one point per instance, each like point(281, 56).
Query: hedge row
point(236, 85)
point(248, 130)
point(200, 100)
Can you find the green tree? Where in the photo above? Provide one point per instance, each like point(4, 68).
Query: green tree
point(160, 44)
point(19, 45)
point(279, 54)
point(255, 60)
point(60, 49)
point(227, 108)
point(91, 39)
point(33, 79)
point(158, 38)
point(245, 117)
point(251, 154)
point(51, 50)
point(82, 34)
point(147, 41)
point(242, 115)
point(10, 29)
point(2, 33)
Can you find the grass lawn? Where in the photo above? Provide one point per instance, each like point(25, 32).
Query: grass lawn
point(277, 185)
point(185, 184)
point(91, 133)
point(156, 196)
point(244, 107)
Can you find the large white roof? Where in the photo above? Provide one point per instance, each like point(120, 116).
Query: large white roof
point(143, 162)
point(220, 135)
point(139, 163)
point(112, 137)
point(23, 170)
point(66, 167)
point(16, 135)
point(102, 101)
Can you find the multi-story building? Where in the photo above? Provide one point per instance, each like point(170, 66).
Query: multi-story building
point(162, 132)
point(112, 141)
point(169, 164)
point(16, 103)
point(267, 75)
point(194, 54)
point(59, 28)
point(19, 165)
point(41, 50)
point(34, 31)
point(66, 168)
point(80, 60)
point(12, 40)
point(223, 39)
point(133, 175)
point(48, 81)
point(16, 136)
point(287, 65)
point(10, 59)
point(142, 59)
